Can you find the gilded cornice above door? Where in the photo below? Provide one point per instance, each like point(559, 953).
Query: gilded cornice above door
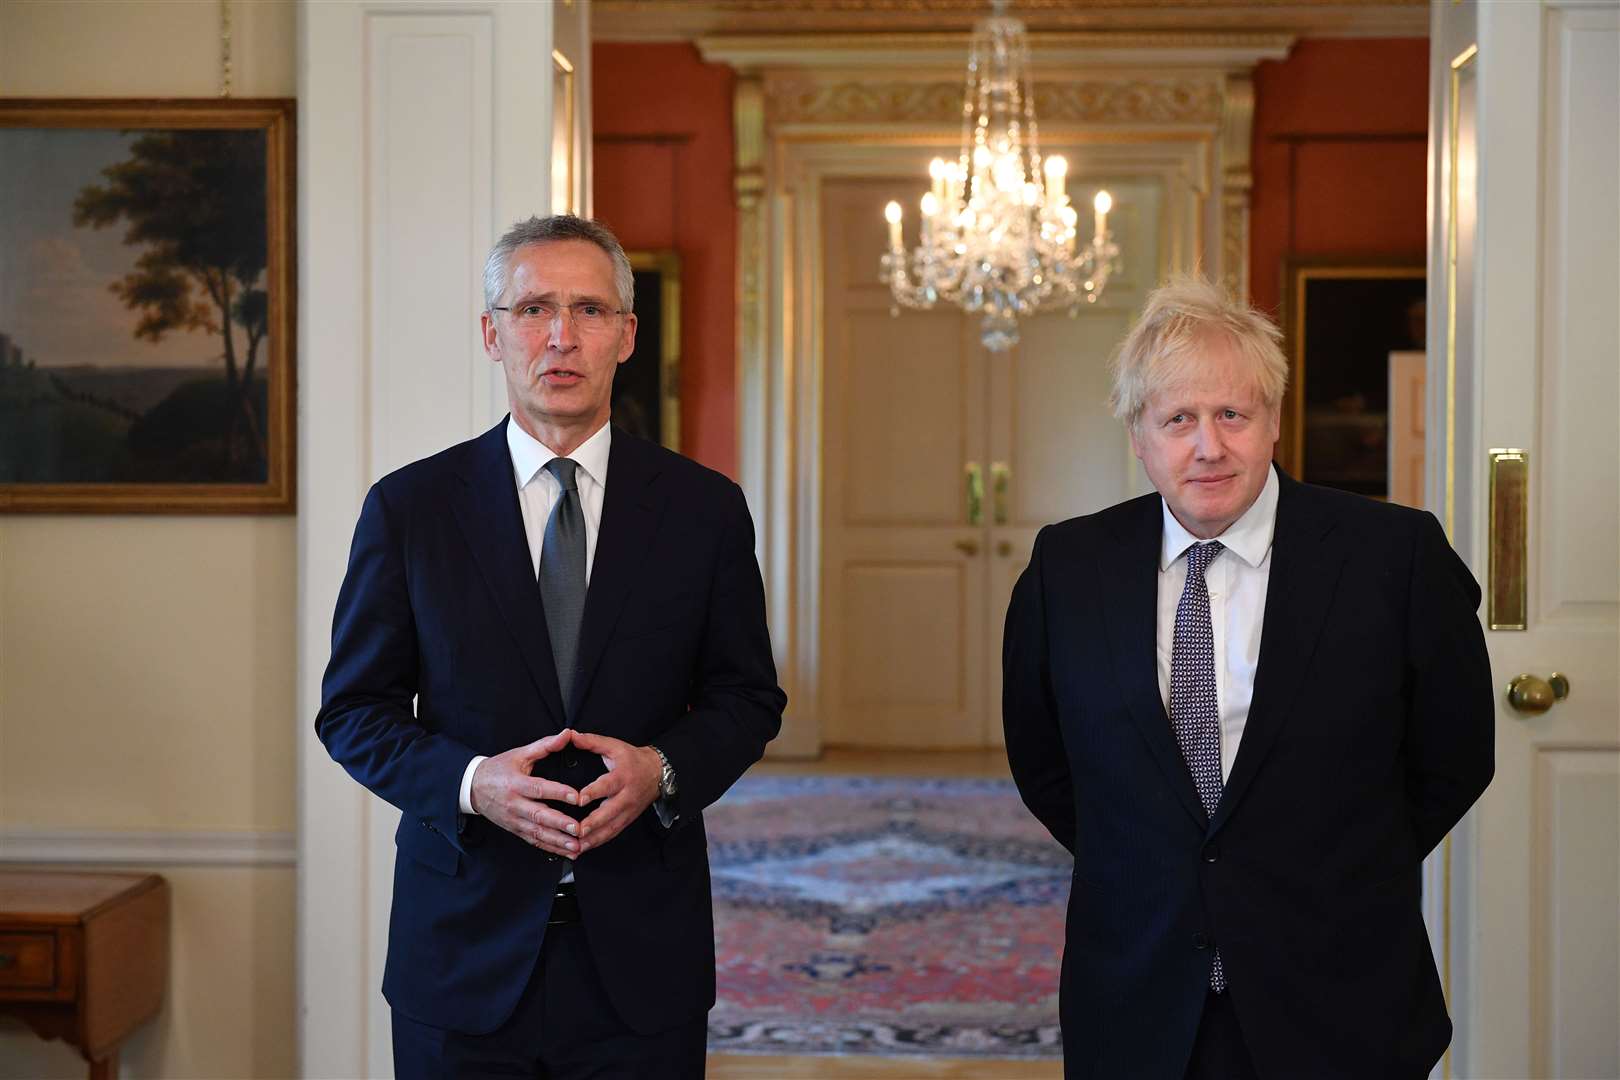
point(682, 20)
point(1191, 99)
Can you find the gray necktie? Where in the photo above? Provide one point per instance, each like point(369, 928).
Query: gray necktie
point(1195, 712)
point(562, 574)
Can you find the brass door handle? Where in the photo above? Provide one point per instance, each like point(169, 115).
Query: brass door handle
point(968, 547)
point(975, 493)
point(1000, 475)
point(1533, 695)
point(1004, 548)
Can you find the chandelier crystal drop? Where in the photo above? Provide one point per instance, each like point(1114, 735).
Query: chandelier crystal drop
point(998, 235)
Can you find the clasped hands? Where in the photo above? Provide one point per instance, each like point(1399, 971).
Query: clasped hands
point(504, 792)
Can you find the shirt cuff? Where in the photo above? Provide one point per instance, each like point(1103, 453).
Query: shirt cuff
point(466, 784)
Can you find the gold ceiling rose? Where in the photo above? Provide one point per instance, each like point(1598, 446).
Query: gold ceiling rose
point(998, 235)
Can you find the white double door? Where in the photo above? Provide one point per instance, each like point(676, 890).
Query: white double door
point(941, 461)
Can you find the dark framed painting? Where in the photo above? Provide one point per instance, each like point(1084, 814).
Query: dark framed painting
point(147, 289)
point(647, 387)
point(1342, 318)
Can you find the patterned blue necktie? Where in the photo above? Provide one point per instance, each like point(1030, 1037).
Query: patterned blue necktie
point(1194, 711)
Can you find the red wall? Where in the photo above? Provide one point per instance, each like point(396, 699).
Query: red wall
point(662, 146)
point(1340, 151)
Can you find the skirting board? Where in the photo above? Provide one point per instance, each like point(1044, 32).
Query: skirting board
point(154, 849)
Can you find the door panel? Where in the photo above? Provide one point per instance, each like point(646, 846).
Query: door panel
point(1049, 417)
point(903, 597)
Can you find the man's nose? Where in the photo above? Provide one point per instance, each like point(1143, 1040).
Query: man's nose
point(1210, 447)
point(564, 334)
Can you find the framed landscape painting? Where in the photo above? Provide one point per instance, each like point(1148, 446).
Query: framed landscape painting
point(147, 306)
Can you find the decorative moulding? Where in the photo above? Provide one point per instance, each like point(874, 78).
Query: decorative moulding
point(1136, 101)
point(150, 849)
point(684, 20)
point(1050, 53)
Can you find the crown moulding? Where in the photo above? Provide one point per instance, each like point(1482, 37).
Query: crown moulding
point(1153, 102)
point(687, 20)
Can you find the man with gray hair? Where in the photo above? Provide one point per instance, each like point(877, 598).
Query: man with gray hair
point(551, 675)
point(1249, 707)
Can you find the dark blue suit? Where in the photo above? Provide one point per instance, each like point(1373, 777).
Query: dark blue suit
point(440, 605)
point(1368, 737)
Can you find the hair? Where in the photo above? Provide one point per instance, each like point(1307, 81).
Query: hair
point(1180, 319)
point(545, 230)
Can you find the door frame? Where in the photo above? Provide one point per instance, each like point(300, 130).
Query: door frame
point(804, 110)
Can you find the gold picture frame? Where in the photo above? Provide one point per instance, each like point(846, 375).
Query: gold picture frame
point(153, 247)
point(647, 387)
point(1341, 317)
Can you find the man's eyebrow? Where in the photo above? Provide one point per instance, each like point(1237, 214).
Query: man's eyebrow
point(551, 298)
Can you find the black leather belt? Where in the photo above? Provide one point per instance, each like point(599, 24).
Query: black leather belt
point(564, 905)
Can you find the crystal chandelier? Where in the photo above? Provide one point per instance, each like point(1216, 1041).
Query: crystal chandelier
point(998, 233)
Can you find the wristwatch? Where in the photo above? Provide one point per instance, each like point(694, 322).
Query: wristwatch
point(667, 788)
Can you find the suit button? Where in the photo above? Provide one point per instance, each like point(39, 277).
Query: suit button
point(1212, 853)
point(550, 857)
point(1200, 941)
point(570, 761)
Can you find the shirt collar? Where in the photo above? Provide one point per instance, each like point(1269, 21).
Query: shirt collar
point(529, 455)
point(1249, 537)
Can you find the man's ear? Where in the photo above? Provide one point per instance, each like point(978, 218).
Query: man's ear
point(492, 341)
point(627, 342)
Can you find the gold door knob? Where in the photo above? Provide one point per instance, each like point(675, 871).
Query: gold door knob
point(1004, 548)
point(968, 547)
point(1533, 695)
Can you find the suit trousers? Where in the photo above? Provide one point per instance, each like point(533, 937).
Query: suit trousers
point(1219, 1052)
point(564, 1028)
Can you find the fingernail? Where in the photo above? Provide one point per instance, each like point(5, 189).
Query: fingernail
point(573, 829)
point(571, 846)
point(571, 797)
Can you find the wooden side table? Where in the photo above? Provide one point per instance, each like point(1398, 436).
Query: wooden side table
point(84, 957)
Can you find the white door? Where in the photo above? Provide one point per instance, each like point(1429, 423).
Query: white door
point(1527, 201)
point(903, 616)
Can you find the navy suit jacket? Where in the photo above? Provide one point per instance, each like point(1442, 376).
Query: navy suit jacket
point(1368, 737)
point(440, 652)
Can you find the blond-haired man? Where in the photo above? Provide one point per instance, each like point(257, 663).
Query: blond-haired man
point(1249, 707)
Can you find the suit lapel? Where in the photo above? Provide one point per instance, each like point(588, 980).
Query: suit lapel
point(1306, 559)
point(486, 508)
point(630, 512)
point(1130, 609)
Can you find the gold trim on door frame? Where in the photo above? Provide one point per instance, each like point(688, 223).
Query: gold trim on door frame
point(1508, 524)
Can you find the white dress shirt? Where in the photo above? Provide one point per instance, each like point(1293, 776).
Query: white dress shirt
point(1237, 582)
point(537, 494)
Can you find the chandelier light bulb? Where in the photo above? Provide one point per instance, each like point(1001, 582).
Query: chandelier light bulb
point(998, 236)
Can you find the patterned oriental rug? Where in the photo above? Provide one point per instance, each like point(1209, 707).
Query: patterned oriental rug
point(892, 916)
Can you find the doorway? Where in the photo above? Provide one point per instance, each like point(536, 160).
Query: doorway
point(942, 460)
